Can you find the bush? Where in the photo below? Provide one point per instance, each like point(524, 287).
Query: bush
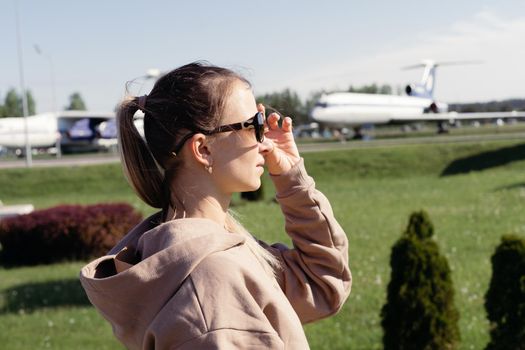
point(419, 312)
point(505, 298)
point(68, 232)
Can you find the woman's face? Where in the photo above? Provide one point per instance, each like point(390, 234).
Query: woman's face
point(236, 156)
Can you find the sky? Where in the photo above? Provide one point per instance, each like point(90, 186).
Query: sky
point(94, 47)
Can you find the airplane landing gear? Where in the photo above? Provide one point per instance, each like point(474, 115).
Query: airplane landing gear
point(358, 133)
point(442, 128)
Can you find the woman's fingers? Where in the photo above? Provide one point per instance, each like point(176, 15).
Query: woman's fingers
point(287, 124)
point(273, 121)
point(260, 108)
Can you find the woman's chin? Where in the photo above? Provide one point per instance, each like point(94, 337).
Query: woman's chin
point(253, 186)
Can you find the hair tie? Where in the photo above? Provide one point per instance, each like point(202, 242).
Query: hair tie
point(142, 102)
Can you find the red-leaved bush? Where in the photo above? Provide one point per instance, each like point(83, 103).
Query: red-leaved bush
point(67, 232)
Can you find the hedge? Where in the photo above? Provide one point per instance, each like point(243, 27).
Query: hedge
point(67, 232)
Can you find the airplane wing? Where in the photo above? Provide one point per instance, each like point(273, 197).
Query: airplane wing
point(451, 116)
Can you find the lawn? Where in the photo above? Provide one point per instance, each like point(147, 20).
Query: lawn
point(474, 193)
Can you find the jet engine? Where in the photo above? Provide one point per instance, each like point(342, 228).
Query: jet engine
point(409, 89)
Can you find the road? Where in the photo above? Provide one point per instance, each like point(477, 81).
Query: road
point(385, 143)
point(93, 159)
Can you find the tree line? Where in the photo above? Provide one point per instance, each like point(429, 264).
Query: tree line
point(12, 104)
point(287, 102)
point(491, 106)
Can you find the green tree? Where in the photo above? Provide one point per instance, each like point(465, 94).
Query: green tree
point(372, 89)
point(13, 104)
point(312, 99)
point(419, 312)
point(385, 89)
point(76, 103)
point(505, 298)
point(286, 103)
point(31, 105)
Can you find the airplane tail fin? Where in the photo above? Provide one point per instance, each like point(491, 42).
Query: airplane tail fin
point(425, 88)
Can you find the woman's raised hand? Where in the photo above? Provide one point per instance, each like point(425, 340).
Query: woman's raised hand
point(282, 153)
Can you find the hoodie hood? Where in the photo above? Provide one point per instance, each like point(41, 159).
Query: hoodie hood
point(130, 285)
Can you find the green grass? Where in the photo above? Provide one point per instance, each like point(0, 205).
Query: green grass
point(372, 192)
point(45, 187)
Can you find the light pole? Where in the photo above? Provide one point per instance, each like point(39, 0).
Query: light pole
point(153, 73)
point(53, 92)
point(29, 157)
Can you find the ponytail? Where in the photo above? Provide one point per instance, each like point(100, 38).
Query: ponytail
point(140, 168)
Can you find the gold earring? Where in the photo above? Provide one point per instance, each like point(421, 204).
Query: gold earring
point(208, 168)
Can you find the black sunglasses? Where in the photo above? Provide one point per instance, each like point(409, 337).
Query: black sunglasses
point(256, 122)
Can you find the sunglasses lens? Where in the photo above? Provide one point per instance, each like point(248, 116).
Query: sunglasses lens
point(259, 127)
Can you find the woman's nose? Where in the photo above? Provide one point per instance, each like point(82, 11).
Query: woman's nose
point(266, 146)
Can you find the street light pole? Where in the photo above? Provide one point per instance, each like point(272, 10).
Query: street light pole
point(153, 73)
point(29, 159)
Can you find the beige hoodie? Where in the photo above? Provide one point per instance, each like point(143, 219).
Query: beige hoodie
point(190, 284)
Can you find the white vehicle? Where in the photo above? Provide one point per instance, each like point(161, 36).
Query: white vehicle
point(71, 130)
point(347, 109)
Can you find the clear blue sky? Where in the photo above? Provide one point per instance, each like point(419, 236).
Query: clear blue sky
point(96, 46)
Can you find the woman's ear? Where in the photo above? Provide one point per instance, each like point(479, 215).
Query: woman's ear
point(200, 149)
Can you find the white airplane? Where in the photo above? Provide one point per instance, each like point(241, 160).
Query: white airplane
point(347, 109)
point(67, 129)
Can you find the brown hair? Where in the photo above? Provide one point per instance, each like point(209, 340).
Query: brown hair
point(189, 99)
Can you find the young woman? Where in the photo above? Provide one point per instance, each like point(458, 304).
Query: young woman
point(190, 276)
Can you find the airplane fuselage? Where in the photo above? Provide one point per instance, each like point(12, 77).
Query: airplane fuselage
point(41, 129)
point(355, 109)
point(47, 129)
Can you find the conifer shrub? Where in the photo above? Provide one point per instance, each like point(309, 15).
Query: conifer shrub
point(505, 298)
point(67, 232)
point(419, 312)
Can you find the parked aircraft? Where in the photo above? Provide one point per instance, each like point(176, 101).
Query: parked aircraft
point(347, 109)
point(71, 130)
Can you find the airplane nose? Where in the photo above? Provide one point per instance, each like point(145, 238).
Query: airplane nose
point(315, 114)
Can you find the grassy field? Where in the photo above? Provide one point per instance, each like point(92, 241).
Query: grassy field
point(474, 193)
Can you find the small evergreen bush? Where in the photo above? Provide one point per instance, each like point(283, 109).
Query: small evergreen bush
point(68, 232)
point(419, 312)
point(505, 298)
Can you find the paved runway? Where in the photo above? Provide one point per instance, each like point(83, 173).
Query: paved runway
point(385, 143)
point(92, 159)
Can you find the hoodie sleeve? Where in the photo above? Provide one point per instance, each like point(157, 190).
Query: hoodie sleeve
point(315, 275)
